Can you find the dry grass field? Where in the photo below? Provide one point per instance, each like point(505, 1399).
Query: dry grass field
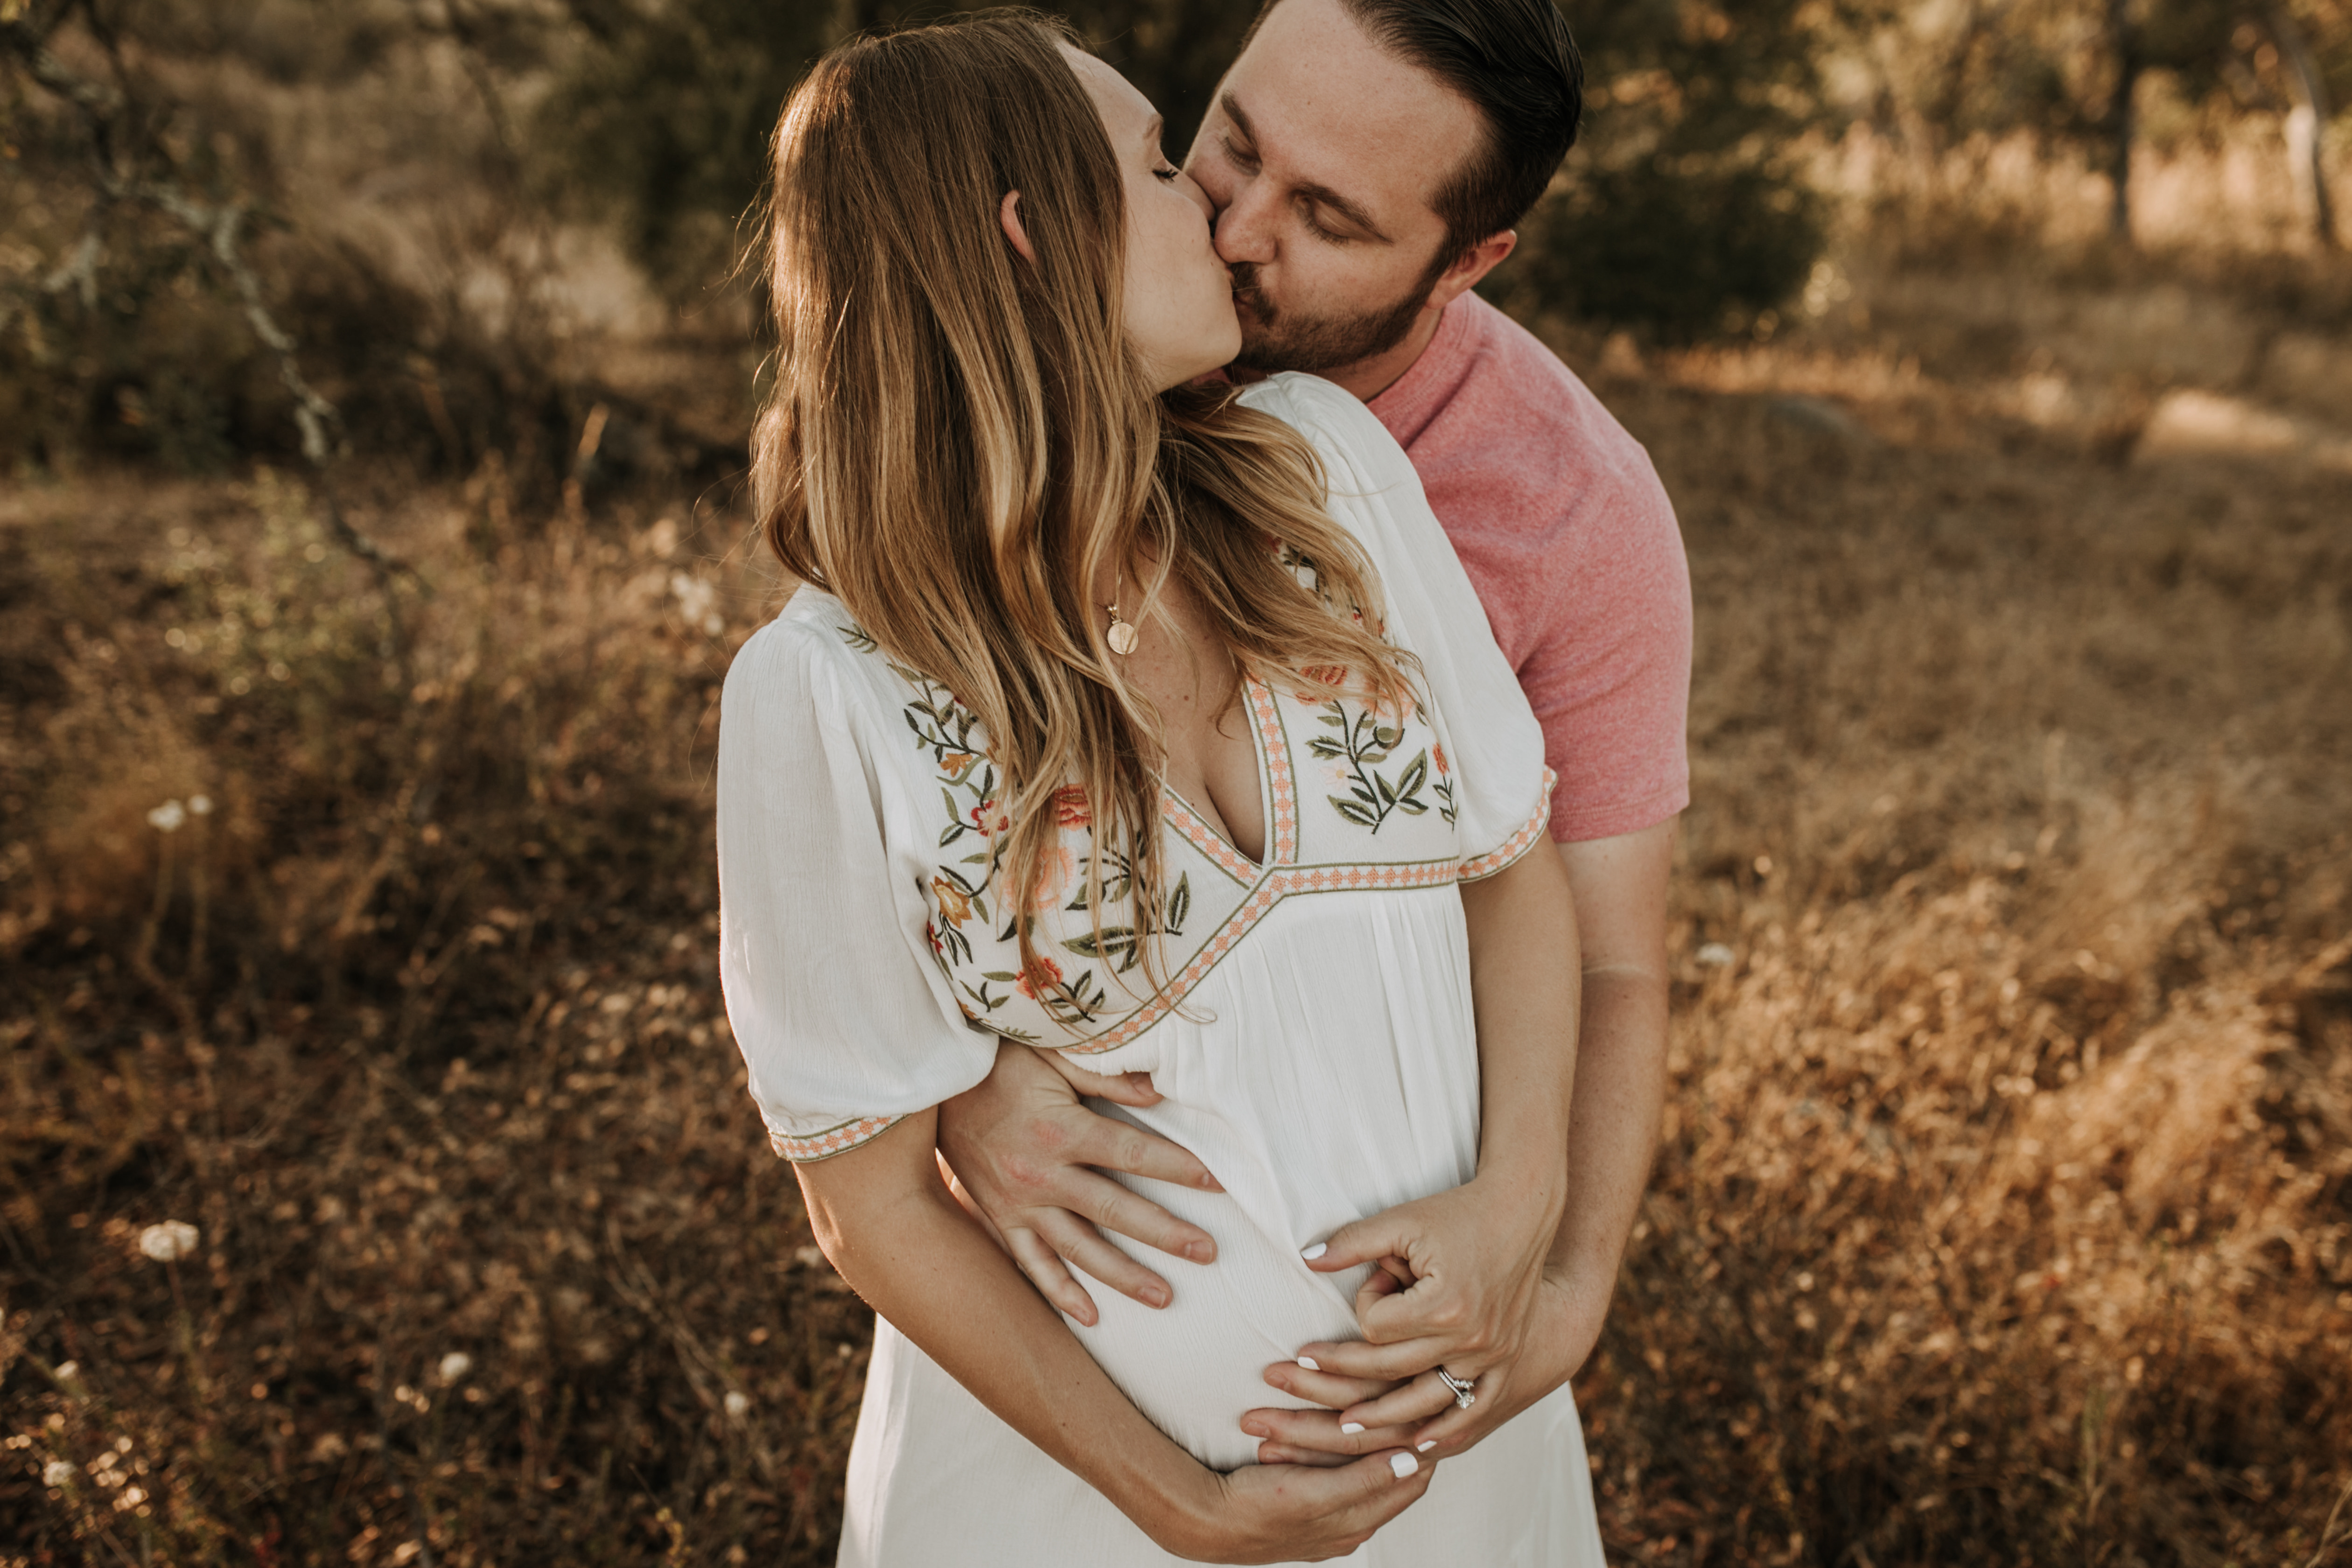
point(364, 924)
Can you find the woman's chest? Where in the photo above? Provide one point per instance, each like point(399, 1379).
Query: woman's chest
point(1354, 801)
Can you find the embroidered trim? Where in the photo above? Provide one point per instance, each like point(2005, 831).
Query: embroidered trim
point(1203, 838)
point(1277, 886)
point(1517, 844)
point(1282, 798)
point(833, 1140)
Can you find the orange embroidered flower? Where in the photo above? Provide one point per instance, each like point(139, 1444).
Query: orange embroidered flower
point(1044, 974)
point(1325, 675)
point(959, 764)
point(955, 904)
point(1071, 808)
point(1438, 753)
point(987, 819)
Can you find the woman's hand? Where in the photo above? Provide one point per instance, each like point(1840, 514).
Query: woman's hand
point(1290, 1513)
point(1421, 1413)
point(1456, 1282)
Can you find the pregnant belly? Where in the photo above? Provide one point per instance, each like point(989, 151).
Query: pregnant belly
point(1195, 1366)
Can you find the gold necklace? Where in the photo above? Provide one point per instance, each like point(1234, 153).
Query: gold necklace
point(1121, 636)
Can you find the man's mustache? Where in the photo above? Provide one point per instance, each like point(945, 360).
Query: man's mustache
point(1245, 289)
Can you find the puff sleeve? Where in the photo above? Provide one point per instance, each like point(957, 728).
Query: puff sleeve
point(843, 1015)
point(1481, 716)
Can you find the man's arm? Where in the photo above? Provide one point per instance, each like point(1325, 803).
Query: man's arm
point(1619, 888)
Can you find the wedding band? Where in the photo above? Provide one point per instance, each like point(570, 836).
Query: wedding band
point(1461, 1387)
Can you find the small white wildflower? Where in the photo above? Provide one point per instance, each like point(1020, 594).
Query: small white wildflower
point(1715, 955)
point(168, 816)
point(66, 1371)
point(169, 1241)
point(201, 804)
point(454, 1365)
point(737, 1404)
point(57, 1473)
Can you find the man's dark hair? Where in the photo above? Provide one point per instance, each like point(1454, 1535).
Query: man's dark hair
point(1516, 61)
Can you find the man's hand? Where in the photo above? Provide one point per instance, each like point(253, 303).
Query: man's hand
point(1562, 1332)
point(1022, 1148)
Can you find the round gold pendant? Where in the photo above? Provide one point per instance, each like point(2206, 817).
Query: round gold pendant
point(1121, 638)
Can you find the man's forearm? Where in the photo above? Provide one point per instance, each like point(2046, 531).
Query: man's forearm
point(1621, 1086)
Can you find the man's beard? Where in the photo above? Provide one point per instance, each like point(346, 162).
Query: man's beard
point(1287, 339)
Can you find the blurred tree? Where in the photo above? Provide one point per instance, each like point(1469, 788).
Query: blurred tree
point(1681, 211)
point(2072, 73)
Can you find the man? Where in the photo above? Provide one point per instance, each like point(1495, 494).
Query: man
point(1367, 159)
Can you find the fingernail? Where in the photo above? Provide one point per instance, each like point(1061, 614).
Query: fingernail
point(1425, 1447)
point(1255, 1429)
point(1315, 1251)
point(1309, 1362)
point(1155, 1295)
point(1403, 1464)
point(1211, 1183)
point(1200, 1252)
point(1351, 1427)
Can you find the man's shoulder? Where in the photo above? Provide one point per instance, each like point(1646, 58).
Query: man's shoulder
point(1516, 430)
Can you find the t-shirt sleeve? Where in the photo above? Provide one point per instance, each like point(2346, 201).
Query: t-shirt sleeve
point(1609, 678)
point(1495, 746)
point(843, 1017)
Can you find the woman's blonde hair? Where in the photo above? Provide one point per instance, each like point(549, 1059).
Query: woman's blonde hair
point(959, 442)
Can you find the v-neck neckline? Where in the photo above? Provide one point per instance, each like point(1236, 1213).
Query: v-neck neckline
point(1269, 802)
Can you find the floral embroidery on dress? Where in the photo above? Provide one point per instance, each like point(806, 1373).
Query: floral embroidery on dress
point(1384, 769)
point(1366, 739)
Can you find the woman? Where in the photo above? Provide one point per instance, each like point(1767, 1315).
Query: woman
point(1108, 725)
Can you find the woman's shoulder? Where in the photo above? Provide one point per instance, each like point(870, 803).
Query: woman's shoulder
point(1335, 420)
point(816, 657)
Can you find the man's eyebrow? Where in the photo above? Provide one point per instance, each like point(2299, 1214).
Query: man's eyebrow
point(1323, 194)
point(1233, 112)
point(1347, 209)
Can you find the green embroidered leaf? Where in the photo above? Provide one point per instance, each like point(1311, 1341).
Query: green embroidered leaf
point(1416, 774)
point(1179, 904)
point(1111, 941)
point(1002, 977)
point(1412, 807)
point(1387, 793)
point(1361, 814)
point(1360, 793)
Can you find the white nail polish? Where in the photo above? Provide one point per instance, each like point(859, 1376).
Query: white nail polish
point(1309, 1362)
point(1403, 1465)
point(1315, 1251)
point(1424, 1447)
point(1351, 1427)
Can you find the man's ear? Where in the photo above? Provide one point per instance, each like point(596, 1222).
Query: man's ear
point(1008, 213)
point(1470, 266)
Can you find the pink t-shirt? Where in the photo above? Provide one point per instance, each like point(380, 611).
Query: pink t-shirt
point(1568, 536)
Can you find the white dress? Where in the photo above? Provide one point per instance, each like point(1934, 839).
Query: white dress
point(1313, 1040)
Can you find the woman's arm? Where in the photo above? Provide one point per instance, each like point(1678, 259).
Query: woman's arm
point(897, 1234)
point(1463, 1271)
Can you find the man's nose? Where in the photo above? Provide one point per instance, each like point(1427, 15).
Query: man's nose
point(1245, 229)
